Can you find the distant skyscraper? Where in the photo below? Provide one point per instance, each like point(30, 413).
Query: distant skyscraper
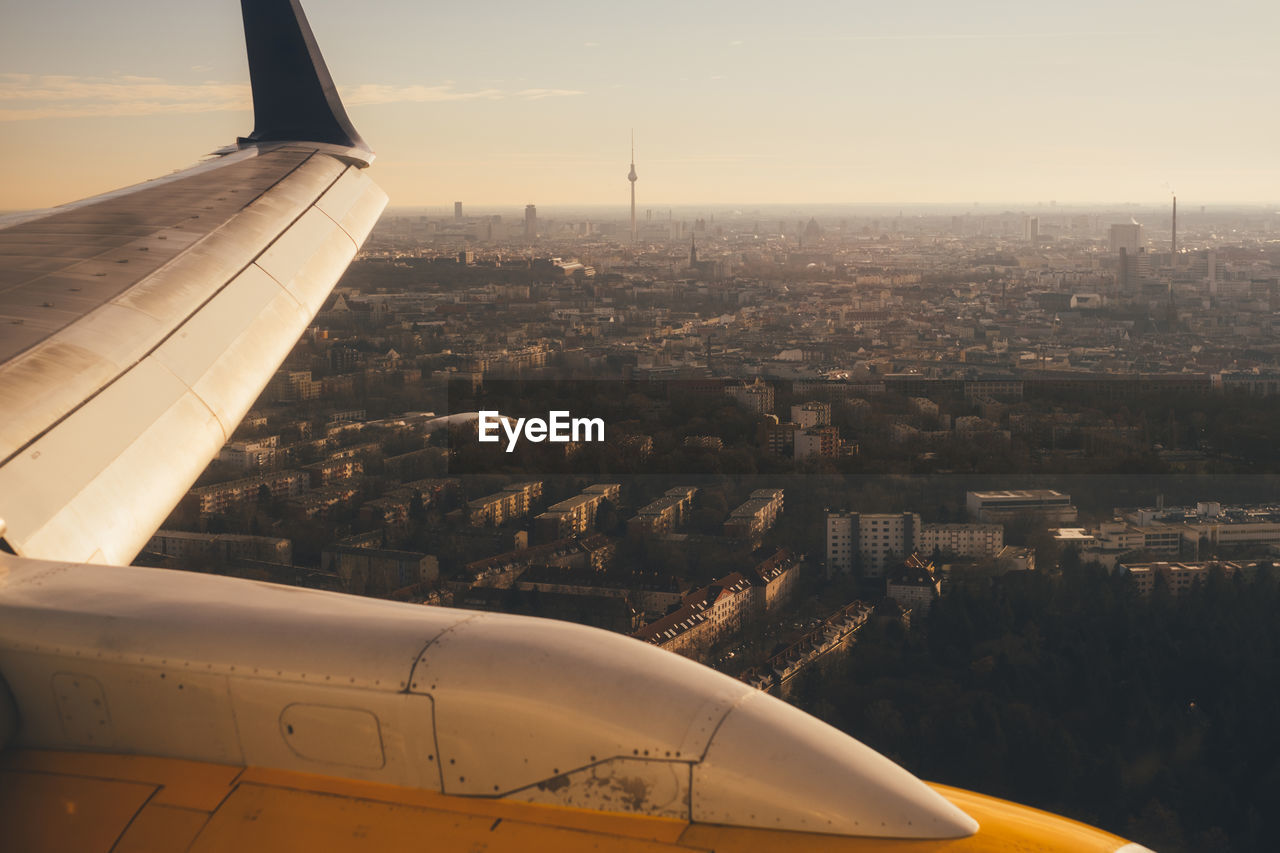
point(631, 176)
point(1127, 236)
point(1135, 269)
point(457, 211)
point(530, 222)
point(1031, 228)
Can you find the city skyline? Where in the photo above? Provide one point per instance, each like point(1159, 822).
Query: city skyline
point(922, 104)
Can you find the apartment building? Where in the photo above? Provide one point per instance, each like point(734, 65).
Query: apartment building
point(870, 542)
point(512, 502)
point(222, 497)
point(184, 545)
point(962, 540)
point(754, 517)
point(578, 513)
point(663, 515)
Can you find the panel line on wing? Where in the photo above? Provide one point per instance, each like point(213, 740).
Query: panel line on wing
point(35, 438)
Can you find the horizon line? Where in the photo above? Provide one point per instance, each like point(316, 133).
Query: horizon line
point(1007, 206)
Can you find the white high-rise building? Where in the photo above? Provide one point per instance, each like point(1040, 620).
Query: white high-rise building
point(870, 542)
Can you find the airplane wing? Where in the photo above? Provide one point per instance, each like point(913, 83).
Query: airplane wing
point(138, 327)
point(146, 710)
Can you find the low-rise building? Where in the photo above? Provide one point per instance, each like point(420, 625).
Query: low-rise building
point(962, 540)
point(378, 571)
point(775, 580)
point(755, 397)
point(686, 631)
point(222, 497)
point(182, 545)
point(578, 513)
point(253, 455)
point(318, 502)
point(293, 386)
point(823, 643)
point(754, 517)
point(663, 515)
point(719, 610)
point(706, 616)
point(1206, 527)
point(914, 584)
point(394, 508)
point(512, 502)
point(819, 441)
point(336, 469)
point(592, 553)
point(814, 413)
point(1048, 505)
point(1180, 578)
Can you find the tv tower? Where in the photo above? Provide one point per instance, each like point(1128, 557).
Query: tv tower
point(631, 176)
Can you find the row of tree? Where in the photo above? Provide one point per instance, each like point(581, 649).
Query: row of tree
point(1153, 718)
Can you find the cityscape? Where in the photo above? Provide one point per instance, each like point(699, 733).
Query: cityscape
point(715, 427)
point(823, 435)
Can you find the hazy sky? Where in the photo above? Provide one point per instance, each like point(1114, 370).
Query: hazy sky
point(505, 102)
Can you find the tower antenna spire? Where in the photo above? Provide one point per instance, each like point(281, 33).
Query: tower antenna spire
point(631, 176)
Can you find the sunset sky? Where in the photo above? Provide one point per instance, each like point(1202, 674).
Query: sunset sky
point(503, 103)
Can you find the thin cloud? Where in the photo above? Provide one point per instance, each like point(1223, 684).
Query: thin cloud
point(539, 94)
point(374, 93)
point(715, 158)
point(965, 36)
point(24, 97)
point(28, 97)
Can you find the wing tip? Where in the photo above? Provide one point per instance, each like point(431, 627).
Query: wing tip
point(294, 98)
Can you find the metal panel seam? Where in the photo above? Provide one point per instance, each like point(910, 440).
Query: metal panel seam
point(232, 786)
point(125, 830)
point(96, 477)
point(177, 327)
point(235, 723)
point(190, 389)
point(275, 280)
point(408, 691)
point(410, 685)
point(444, 808)
point(711, 737)
point(336, 222)
point(435, 741)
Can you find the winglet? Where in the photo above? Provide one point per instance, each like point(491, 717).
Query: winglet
point(294, 99)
